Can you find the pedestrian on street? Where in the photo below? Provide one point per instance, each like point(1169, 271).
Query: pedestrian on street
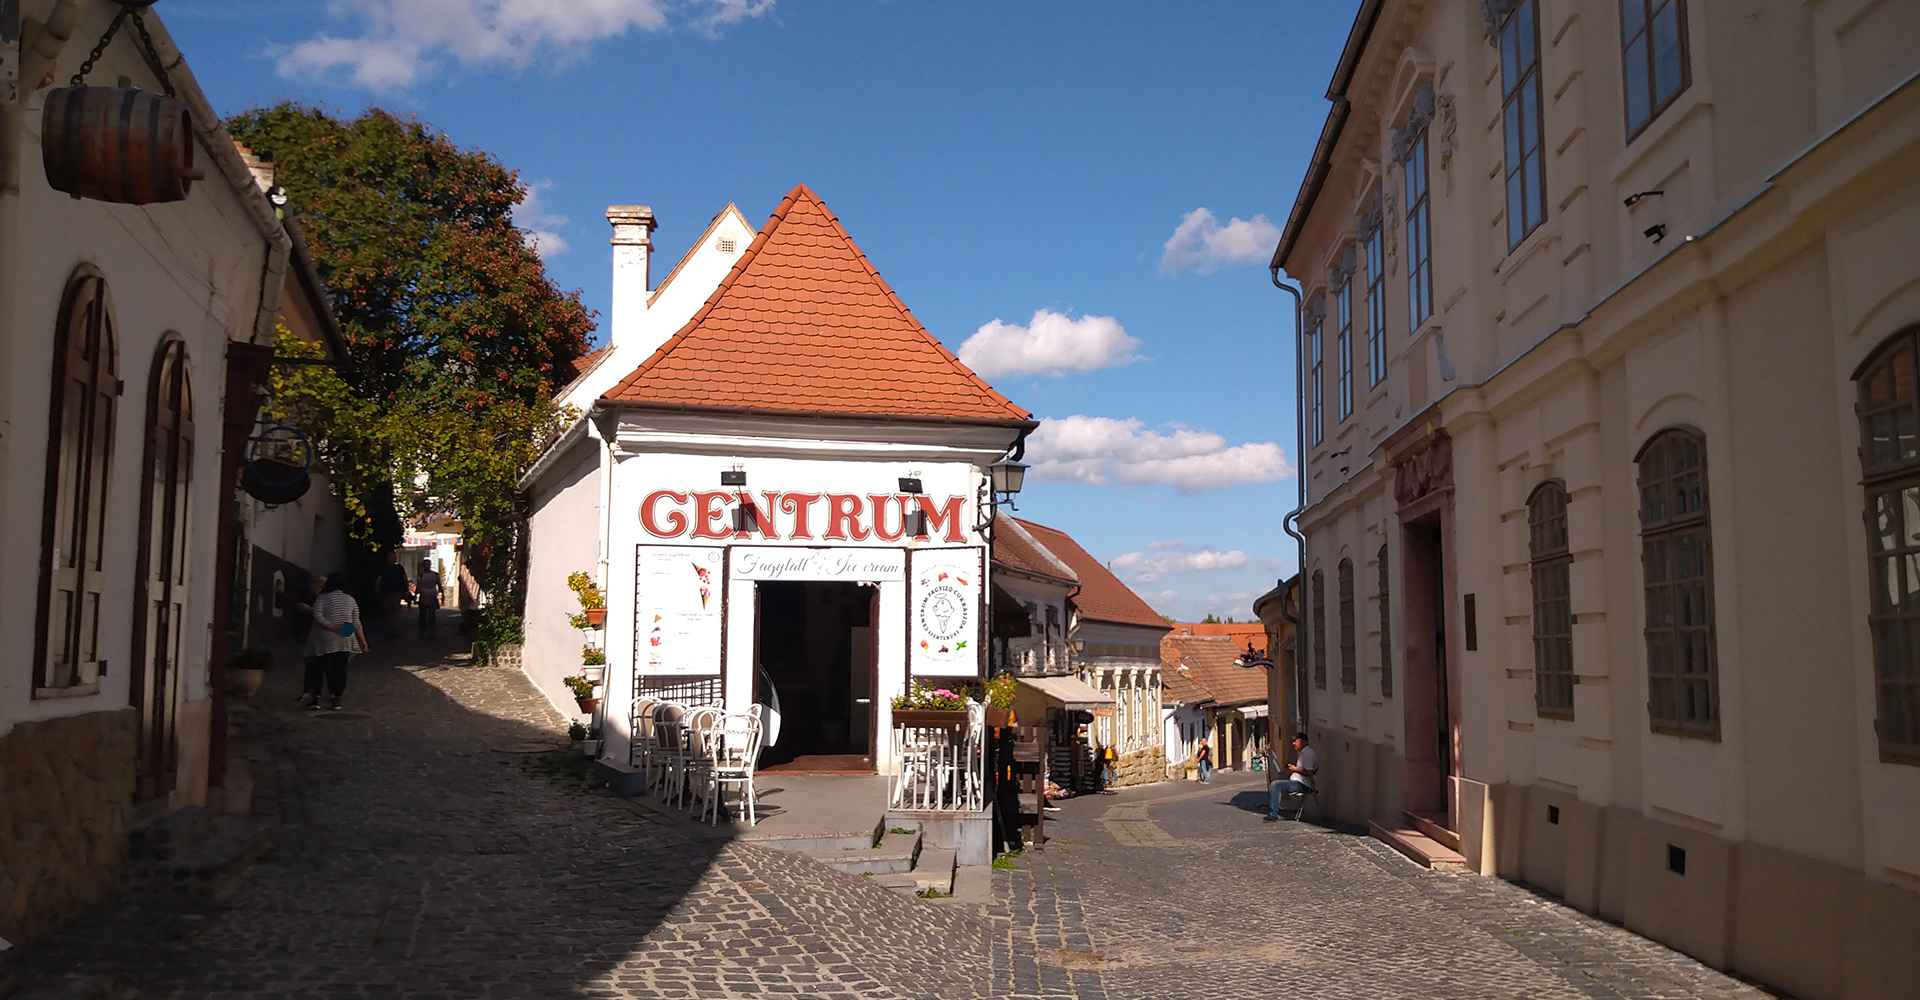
point(393, 591)
point(337, 634)
point(1297, 779)
point(1205, 756)
point(1107, 758)
point(427, 599)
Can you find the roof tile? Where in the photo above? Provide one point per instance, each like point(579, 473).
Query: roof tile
point(1102, 597)
point(804, 324)
point(1209, 662)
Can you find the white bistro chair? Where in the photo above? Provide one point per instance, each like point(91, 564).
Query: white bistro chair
point(736, 748)
point(697, 766)
point(669, 745)
point(644, 746)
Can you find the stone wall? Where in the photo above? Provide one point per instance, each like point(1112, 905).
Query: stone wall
point(1142, 767)
point(65, 790)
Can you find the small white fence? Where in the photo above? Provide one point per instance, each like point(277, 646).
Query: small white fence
point(942, 765)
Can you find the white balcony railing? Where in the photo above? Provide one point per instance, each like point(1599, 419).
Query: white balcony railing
point(941, 767)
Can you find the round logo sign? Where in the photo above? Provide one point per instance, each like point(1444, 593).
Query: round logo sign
point(943, 613)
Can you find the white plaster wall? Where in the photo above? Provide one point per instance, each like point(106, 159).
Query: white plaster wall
point(192, 267)
point(563, 537)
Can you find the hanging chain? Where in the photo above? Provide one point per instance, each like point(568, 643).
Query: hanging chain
point(149, 51)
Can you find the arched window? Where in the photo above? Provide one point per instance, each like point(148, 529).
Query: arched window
point(1552, 564)
point(1889, 413)
point(86, 383)
point(1386, 631)
point(1676, 556)
point(1349, 672)
point(1319, 630)
point(159, 623)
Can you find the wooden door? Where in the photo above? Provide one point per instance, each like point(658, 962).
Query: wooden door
point(160, 623)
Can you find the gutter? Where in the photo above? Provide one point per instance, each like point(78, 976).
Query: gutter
point(309, 275)
point(567, 439)
point(1024, 426)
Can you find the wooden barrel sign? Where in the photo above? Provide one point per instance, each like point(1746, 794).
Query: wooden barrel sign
point(119, 145)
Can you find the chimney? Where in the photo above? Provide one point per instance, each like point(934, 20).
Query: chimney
point(261, 167)
point(632, 251)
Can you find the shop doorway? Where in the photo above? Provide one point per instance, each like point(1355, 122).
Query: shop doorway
point(816, 651)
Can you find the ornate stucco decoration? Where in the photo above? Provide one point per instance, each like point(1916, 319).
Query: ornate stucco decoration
point(1425, 467)
point(1316, 308)
point(1342, 268)
point(1449, 126)
point(1368, 221)
point(1494, 13)
point(1391, 221)
point(1418, 118)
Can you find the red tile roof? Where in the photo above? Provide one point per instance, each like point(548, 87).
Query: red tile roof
point(1240, 632)
point(1016, 549)
point(1102, 596)
point(1178, 685)
point(586, 362)
point(804, 324)
point(1209, 662)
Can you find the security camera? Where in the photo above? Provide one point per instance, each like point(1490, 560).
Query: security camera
point(1656, 233)
point(1634, 199)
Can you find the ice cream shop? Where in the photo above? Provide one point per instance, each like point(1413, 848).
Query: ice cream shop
point(784, 495)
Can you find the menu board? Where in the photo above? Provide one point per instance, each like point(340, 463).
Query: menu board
point(677, 601)
point(943, 611)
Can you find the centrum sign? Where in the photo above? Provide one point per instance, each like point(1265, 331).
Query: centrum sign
point(847, 565)
point(800, 517)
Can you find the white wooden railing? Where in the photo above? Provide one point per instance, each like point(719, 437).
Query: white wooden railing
point(941, 767)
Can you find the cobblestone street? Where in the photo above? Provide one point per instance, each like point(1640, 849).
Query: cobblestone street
point(1180, 890)
point(423, 849)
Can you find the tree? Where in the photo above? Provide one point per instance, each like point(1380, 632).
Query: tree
point(1210, 619)
point(458, 338)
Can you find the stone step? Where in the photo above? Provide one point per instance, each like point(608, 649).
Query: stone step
point(935, 870)
point(813, 844)
point(1435, 827)
point(896, 853)
point(973, 884)
point(1418, 847)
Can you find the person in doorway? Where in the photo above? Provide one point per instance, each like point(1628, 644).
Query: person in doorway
point(1204, 754)
point(336, 636)
point(1107, 759)
point(1297, 779)
point(427, 600)
point(393, 591)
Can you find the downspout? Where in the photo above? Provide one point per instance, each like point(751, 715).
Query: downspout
point(1290, 523)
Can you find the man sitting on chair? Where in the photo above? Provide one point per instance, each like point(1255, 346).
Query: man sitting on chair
point(1296, 779)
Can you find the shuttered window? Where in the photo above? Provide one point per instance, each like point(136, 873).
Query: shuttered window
point(1349, 671)
point(1319, 630)
point(85, 388)
point(1888, 408)
point(1386, 631)
point(1676, 556)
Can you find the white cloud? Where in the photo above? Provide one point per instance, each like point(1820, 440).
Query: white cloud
point(1050, 344)
point(1201, 245)
point(399, 42)
point(1099, 450)
point(1164, 558)
point(539, 225)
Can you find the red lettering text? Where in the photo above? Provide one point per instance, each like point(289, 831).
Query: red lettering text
point(948, 514)
point(676, 521)
point(880, 506)
point(843, 518)
point(797, 504)
point(709, 511)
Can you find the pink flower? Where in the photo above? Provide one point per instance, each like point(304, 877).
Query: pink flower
point(943, 693)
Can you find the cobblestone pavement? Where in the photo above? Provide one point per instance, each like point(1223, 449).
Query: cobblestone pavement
point(424, 852)
point(1180, 890)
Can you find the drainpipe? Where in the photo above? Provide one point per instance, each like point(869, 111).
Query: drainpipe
point(1290, 523)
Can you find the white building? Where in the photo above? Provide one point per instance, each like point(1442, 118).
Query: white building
point(786, 492)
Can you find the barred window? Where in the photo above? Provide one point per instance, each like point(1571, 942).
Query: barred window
point(1349, 671)
point(1552, 564)
point(1319, 612)
point(1683, 680)
point(1523, 118)
point(73, 566)
point(1386, 631)
point(1888, 408)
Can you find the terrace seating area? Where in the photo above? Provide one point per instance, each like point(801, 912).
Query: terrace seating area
point(691, 757)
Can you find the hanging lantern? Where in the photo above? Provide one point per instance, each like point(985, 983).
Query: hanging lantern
point(117, 144)
point(279, 466)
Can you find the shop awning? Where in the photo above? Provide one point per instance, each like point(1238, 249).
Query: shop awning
point(1252, 711)
point(1069, 693)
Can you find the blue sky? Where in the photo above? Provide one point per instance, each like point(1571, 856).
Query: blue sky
point(994, 160)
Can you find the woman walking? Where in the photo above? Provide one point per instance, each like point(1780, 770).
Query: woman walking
point(1205, 755)
point(336, 635)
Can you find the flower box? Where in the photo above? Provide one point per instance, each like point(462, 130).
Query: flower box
point(930, 718)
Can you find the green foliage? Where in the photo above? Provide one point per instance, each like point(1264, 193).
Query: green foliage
point(494, 628)
point(576, 731)
point(457, 337)
point(920, 697)
point(580, 686)
point(932, 893)
point(583, 587)
point(1210, 619)
point(1005, 862)
point(593, 656)
point(1000, 690)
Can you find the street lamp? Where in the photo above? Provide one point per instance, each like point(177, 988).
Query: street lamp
point(1007, 478)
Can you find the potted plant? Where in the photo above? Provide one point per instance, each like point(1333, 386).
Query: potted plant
point(593, 663)
point(593, 603)
point(1000, 691)
point(576, 733)
point(922, 706)
point(247, 670)
point(582, 689)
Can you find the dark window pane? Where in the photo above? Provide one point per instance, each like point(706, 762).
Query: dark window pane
point(1529, 104)
point(1523, 22)
point(1513, 135)
point(1515, 210)
point(1667, 53)
point(1633, 17)
point(1634, 64)
point(1536, 181)
point(1509, 54)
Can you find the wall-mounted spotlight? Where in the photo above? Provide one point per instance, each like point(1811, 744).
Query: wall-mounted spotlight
point(1656, 233)
point(735, 476)
point(917, 524)
point(910, 485)
point(1637, 197)
point(746, 519)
